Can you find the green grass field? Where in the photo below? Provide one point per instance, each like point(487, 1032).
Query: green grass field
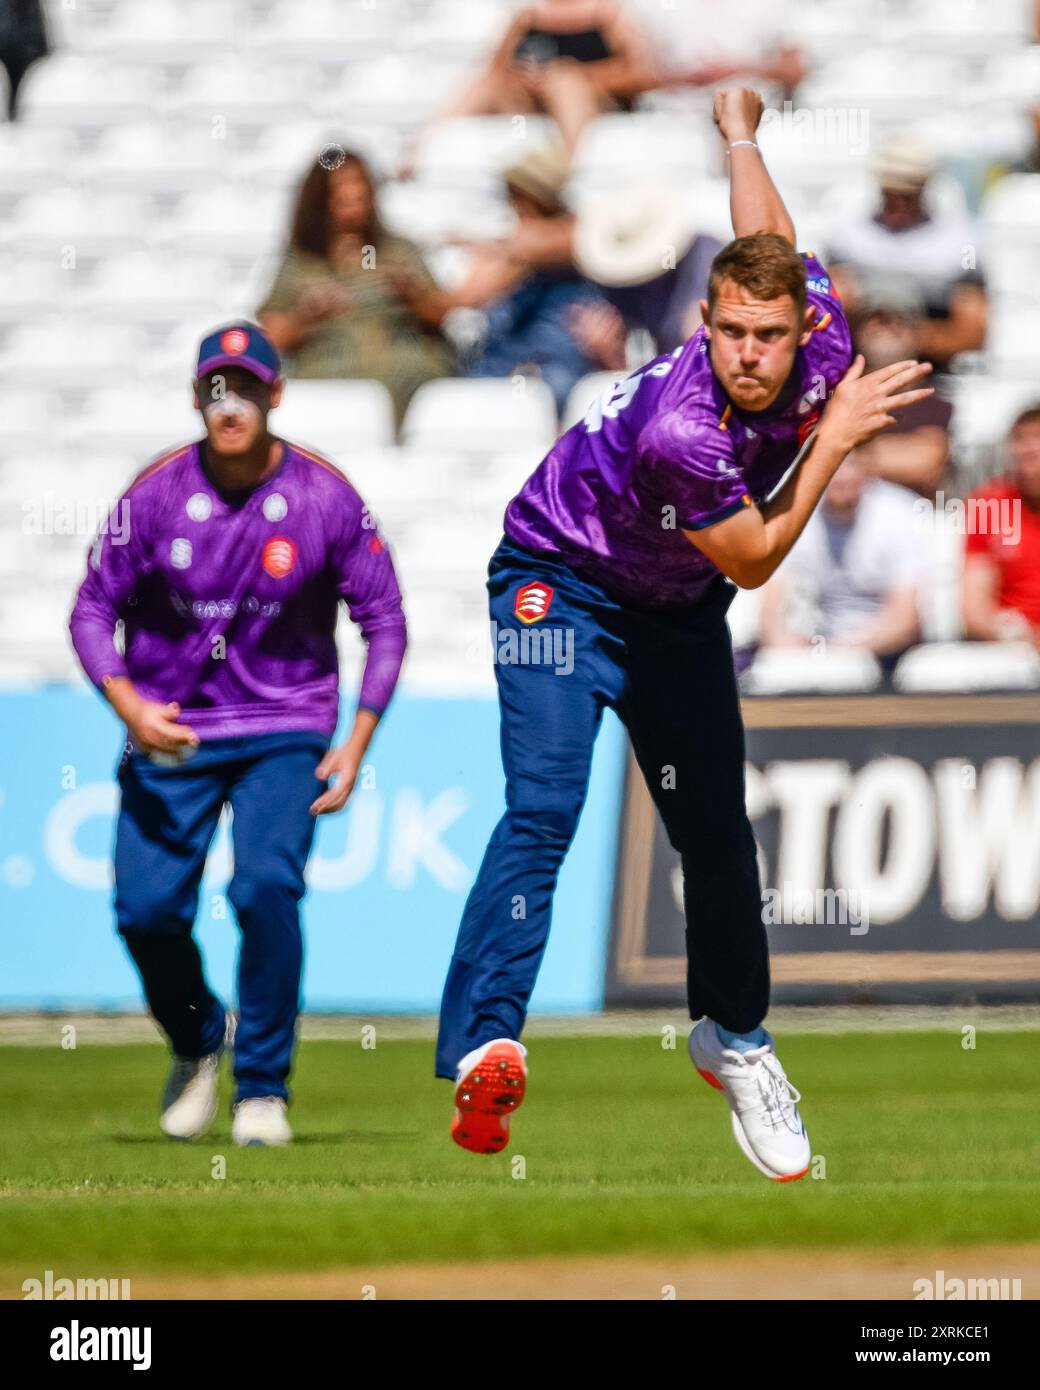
point(625, 1150)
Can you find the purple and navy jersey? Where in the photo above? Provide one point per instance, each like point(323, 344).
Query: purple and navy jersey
point(666, 450)
point(229, 603)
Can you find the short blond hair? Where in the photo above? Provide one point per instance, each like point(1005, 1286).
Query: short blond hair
point(766, 265)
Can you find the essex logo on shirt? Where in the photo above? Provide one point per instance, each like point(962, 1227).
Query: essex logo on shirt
point(532, 602)
point(278, 556)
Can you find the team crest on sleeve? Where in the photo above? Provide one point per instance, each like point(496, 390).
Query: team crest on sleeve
point(532, 602)
point(278, 556)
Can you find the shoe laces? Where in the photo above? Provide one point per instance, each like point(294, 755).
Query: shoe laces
point(777, 1095)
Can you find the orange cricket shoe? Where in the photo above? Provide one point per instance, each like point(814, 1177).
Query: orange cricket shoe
point(491, 1084)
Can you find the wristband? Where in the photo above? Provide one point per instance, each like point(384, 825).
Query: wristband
point(734, 143)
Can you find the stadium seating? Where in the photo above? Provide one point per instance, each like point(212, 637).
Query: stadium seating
point(968, 666)
point(336, 417)
point(800, 670)
point(184, 127)
point(482, 416)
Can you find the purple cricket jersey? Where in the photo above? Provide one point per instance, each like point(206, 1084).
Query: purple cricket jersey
point(229, 604)
point(665, 449)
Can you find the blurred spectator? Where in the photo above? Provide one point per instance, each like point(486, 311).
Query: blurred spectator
point(23, 39)
point(335, 309)
point(570, 59)
point(526, 284)
point(705, 43)
point(852, 576)
point(638, 245)
point(1001, 593)
point(1030, 162)
point(915, 450)
point(938, 255)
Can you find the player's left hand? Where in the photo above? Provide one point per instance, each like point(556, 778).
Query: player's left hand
point(737, 112)
point(341, 763)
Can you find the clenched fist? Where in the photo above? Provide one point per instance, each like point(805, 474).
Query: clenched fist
point(737, 112)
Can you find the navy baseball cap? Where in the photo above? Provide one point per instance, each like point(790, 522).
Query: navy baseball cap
point(240, 344)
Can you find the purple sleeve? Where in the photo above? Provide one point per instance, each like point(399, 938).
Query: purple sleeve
point(116, 563)
point(828, 353)
point(368, 584)
point(694, 470)
point(817, 279)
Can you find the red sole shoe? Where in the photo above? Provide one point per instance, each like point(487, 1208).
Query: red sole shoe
point(486, 1097)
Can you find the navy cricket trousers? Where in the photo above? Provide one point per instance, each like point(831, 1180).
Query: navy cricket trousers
point(167, 818)
point(669, 676)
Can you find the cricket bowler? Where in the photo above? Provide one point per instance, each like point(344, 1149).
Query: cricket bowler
point(240, 548)
point(629, 538)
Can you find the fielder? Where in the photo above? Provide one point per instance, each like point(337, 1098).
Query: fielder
point(240, 548)
point(624, 540)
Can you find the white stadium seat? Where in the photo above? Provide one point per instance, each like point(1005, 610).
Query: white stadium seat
point(246, 95)
point(875, 80)
point(617, 148)
point(61, 353)
point(160, 157)
point(337, 418)
point(71, 226)
point(327, 32)
point(974, 30)
point(30, 418)
point(227, 221)
point(419, 210)
point(457, 29)
point(165, 33)
point(472, 152)
point(146, 288)
point(985, 407)
point(29, 156)
point(1011, 208)
point(79, 92)
point(743, 617)
point(808, 149)
point(96, 478)
point(398, 89)
point(939, 592)
point(1013, 338)
point(478, 416)
point(29, 288)
point(969, 666)
point(829, 671)
point(138, 421)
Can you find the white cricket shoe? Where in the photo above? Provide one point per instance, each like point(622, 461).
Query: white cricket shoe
point(261, 1121)
point(189, 1101)
point(765, 1120)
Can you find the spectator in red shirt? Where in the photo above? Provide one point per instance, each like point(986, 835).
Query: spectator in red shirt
point(1001, 593)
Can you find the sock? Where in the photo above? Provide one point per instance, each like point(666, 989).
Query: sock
point(741, 1042)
